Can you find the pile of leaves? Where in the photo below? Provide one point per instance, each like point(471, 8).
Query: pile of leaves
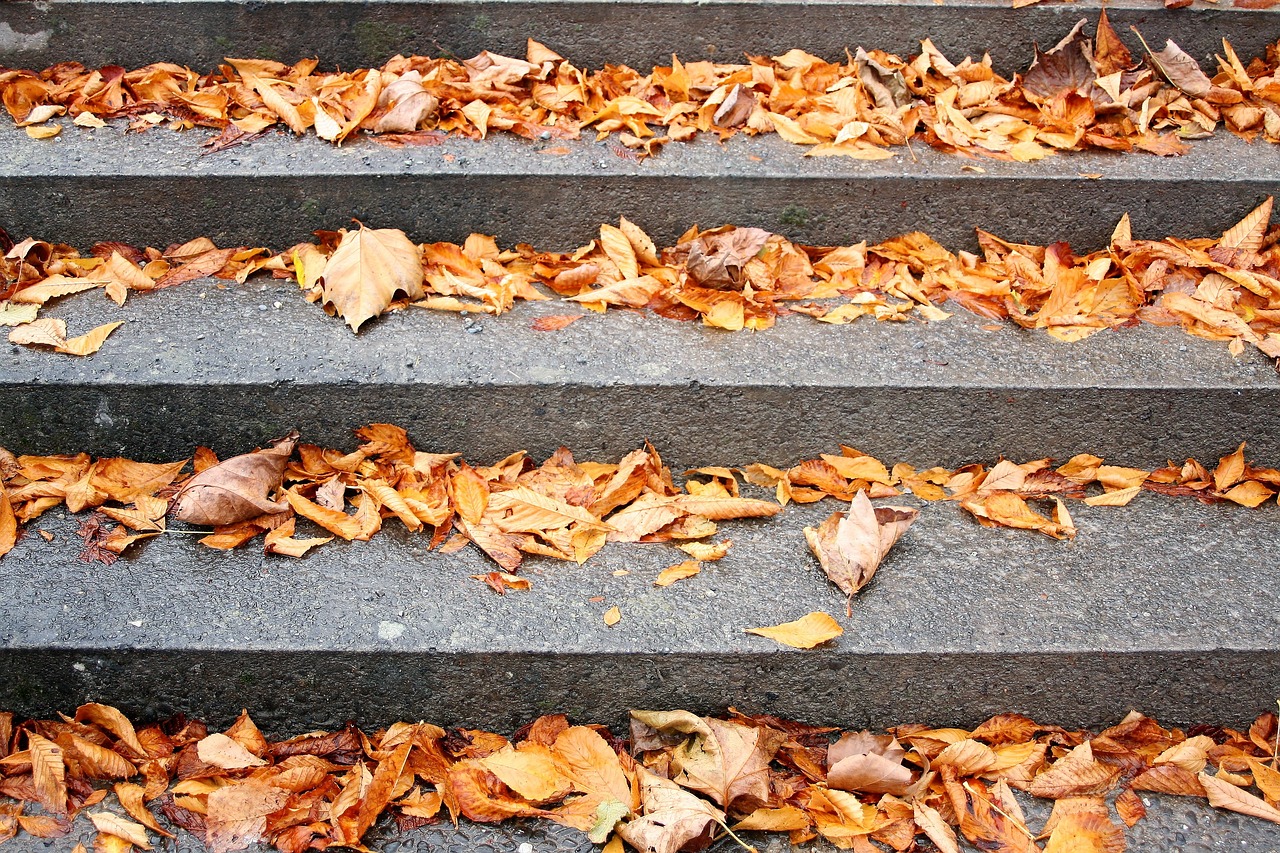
point(677, 783)
point(1076, 96)
point(564, 508)
point(1225, 288)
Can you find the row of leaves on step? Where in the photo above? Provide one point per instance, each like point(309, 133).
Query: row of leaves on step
point(679, 781)
point(1225, 288)
point(1076, 96)
point(565, 508)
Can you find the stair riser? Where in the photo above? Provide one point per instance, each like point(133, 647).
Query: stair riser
point(293, 691)
point(778, 426)
point(564, 211)
point(347, 34)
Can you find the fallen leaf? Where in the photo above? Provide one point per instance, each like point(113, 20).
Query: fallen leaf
point(367, 270)
point(236, 489)
point(850, 546)
point(680, 571)
point(808, 631)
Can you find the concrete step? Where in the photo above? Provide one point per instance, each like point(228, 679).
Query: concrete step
point(233, 365)
point(352, 33)
point(1172, 825)
point(1166, 605)
point(156, 188)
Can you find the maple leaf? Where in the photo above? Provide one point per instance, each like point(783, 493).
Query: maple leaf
point(236, 489)
point(850, 546)
point(367, 270)
point(671, 820)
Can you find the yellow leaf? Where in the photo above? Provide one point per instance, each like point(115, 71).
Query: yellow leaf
point(367, 270)
point(678, 572)
point(44, 131)
point(612, 616)
point(91, 341)
point(705, 551)
point(804, 633)
point(791, 131)
point(1121, 497)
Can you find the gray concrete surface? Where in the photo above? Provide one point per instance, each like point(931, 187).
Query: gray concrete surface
point(1172, 825)
point(201, 365)
point(1167, 606)
point(591, 32)
point(154, 187)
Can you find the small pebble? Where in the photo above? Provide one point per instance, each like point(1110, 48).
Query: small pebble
point(525, 848)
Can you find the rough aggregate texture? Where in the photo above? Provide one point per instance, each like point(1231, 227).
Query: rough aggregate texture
point(220, 364)
point(590, 32)
point(155, 187)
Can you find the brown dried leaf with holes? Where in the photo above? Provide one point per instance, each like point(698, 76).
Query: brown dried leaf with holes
point(676, 783)
point(1073, 97)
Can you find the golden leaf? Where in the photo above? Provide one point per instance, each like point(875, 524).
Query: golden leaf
point(367, 270)
point(804, 633)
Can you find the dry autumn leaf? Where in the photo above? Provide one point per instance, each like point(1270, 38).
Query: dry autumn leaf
point(236, 489)
point(812, 629)
point(367, 270)
point(850, 546)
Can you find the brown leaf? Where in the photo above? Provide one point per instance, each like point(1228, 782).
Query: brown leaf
point(1110, 53)
point(1176, 66)
point(48, 773)
point(367, 270)
point(113, 721)
point(672, 819)
point(238, 814)
point(281, 541)
point(236, 489)
point(1076, 775)
point(1068, 67)
point(1224, 795)
point(869, 773)
point(812, 629)
point(850, 546)
point(554, 322)
point(8, 523)
point(717, 260)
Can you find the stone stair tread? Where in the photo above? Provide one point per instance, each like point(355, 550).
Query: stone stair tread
point(589, 32)
point(1162, 605)
point(218, 363)
point(155, 187)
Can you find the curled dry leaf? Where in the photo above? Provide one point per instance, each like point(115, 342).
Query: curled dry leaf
point(812, 629)
point(850, 546)
point(237, 489)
